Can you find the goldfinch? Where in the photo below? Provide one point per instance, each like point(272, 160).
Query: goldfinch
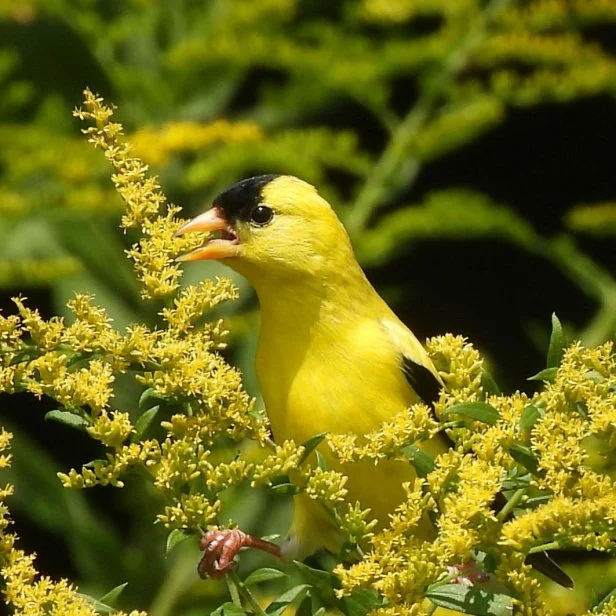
point(332, 356)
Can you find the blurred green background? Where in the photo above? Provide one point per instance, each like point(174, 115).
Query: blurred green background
point(469, 146)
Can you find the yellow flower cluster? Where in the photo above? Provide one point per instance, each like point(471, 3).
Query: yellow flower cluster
point(154, 255)
point(528, 452)
point(403, 429)
point(200, 398)
point(156, 146)
point(24, 590)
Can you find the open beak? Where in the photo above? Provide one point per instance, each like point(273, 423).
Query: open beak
point(223, 246)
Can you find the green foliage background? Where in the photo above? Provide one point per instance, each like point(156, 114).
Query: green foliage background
point(467, 145)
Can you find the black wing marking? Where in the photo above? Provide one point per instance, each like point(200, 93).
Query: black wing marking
point(424, 383)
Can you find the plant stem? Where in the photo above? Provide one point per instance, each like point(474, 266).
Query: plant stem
point(379, 183)
point(233, 590)
point(603, 324)
point(511, 504)
point(553, 545)
point(239, 586)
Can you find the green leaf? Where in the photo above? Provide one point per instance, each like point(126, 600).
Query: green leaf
point(479, 411)
point(471, 600)
point(322, 582)
point(148, 394)
point(535, 501)
point(605, 600)
point(422, 460)
point(517, 483)
point(557, 343)
point(144, 421)
point(547, 374)
point(112, 596)
point(311, 444)
point(263, 575)
point(68, 419)
point(285, 489)
point(321, 461)
point(305, 607)
point(228, 609)
point(523, 455)
point(176, 537)
point(279, 605)
point(489, 384)
point(361, 602)
point(529, 417)
point(99, 606)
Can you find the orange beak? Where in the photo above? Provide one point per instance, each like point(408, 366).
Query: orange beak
point(223, 247)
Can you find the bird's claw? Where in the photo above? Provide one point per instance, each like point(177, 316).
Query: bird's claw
point(468, 574)
point(221, 546)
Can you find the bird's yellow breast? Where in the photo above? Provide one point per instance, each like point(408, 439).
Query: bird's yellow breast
point(351, 382)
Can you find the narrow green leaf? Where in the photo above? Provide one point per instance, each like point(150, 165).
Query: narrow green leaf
point(523, 455)
point(99, 606)
point(144, 421)
point(604, 601)
point(516, 484)
point(112, 596)
point(422, 460)
point(321, 461)
point(305, 607)
point(68, 419)
point(279, 605)
point(228, 609)
point(176, 537)
point(535, 501)
point(529, 417)
point(147, 395)
point(311, 444)
point(471, 600)
point(322, 582)
point(361, 602)
point(285, 489)
point(557, 343)
point(547, 374)
point(263, 575)
point(480, 411)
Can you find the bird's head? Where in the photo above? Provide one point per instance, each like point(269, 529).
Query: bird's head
point(272, 226)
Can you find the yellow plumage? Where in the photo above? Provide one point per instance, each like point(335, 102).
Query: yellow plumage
point(331, 353)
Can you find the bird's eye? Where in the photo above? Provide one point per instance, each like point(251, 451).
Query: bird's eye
point(261, 215)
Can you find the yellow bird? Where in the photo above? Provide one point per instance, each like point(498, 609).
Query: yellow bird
point(332, 356)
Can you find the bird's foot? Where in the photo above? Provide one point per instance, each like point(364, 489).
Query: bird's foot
point(221, 546)
point(468, 574)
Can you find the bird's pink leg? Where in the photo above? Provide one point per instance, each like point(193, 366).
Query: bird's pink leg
point(221, 546)
point(470, 574)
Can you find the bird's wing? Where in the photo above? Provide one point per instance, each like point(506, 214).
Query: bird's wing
point(415, 363)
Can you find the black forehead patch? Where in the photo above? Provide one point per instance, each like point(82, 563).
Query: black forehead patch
point(238, 201)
